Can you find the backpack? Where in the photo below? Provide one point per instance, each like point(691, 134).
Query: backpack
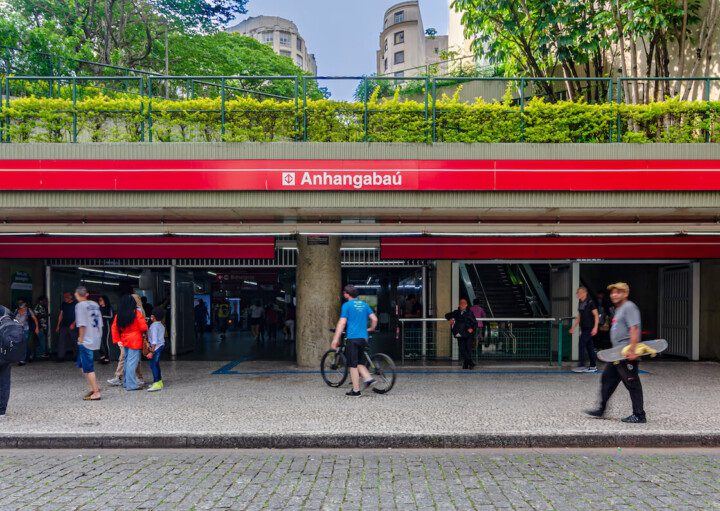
point(13, 343)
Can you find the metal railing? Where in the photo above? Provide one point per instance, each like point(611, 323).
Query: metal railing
point(290, 110)
point(500, 339)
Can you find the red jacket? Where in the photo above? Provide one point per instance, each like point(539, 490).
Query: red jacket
point(131, 336)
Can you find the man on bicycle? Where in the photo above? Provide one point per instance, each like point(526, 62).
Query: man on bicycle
point(354, 315)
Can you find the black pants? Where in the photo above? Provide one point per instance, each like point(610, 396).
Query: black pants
point(4, 386)
point(465, 344)
point(67, 339)
point(587, 347)
point(628, 373)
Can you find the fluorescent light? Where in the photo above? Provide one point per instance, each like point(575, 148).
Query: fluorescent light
point(108, 272)
point(250, 282)
point(101, 282)
point(212, 273)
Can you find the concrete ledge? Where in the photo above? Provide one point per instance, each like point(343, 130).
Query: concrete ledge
point(315, 441)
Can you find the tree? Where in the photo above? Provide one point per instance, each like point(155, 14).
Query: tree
point(231, 54)
point(574, 38)
point(431, 33)
point(121, 32)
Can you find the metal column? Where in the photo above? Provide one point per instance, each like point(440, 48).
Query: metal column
point(575, 279)
point(423, 349)
point(455, 297)
point(48, 294)
point(173, 310)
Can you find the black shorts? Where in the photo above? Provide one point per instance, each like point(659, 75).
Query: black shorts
point(354, 350)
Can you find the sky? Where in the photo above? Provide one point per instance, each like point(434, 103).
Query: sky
point(343, 34)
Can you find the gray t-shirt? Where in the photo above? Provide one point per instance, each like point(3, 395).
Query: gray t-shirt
point(88, 314)
point(626, 316)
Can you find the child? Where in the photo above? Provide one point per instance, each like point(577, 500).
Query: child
point(156, 338)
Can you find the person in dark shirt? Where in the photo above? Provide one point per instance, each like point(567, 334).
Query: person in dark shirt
point(588, 319)
point(67, 333)
point(463, 324)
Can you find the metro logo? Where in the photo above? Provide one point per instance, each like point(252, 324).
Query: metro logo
point(288, 178)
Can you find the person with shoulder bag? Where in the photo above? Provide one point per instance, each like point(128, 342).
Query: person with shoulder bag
point(13, 348)
point(463, 324)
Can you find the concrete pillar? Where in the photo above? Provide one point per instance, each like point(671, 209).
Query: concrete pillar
point(319, 284)
point(443, 305)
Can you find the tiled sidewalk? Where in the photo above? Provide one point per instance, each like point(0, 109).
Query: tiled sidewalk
point(449, 408)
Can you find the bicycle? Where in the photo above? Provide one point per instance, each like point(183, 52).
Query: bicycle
point(334, 368)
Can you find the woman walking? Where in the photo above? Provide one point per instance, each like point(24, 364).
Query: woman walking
point(106, 311)
point(127, 330)
point(26, 317)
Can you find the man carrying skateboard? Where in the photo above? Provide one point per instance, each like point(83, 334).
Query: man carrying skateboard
point(625, 330)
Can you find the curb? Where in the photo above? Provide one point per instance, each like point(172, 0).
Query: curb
point(394, 441)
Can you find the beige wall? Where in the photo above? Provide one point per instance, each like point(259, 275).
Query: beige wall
point(443, 305)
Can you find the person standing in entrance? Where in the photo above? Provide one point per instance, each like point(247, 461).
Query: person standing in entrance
point(463, 324)
point(42, 316)
point(625, 330)
point(88, 319)
point(4, 378)
point(26, 317)
point(354, 316)
point(588, 319)
point(128, 329)
point(67, 333)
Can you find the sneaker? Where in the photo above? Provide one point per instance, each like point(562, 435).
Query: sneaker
point(115, 382)
point(158, 385)
point(369, 383)
point(580, 369)
point(599, 413)
point(140, 383)
point(634, 419)
point(352, 393)
point(592, 369)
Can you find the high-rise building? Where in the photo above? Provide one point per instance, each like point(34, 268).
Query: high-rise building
point(405, 48)
point(282, 35)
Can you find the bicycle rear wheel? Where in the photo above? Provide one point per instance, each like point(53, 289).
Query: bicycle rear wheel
point(333, 367)
point(383, 371)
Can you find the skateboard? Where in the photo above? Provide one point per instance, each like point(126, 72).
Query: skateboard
point(617, 353)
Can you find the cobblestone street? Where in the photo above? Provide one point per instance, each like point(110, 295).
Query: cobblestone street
point(169, 480)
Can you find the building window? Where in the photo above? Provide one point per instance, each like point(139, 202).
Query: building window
point(399, 16)
point(399, 57)
point(299, 44)
point(386, 22)
point(437, 50)
point(386, 45)
point(400, 37)
point(385, 64)
point(268, 37)
point(399, 74)
point(299, 60)
point(285, 53)
point(285, 38)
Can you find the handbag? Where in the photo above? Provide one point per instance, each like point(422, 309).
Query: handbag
point(146, 349)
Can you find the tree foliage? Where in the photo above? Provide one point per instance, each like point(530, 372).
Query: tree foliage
point(572, 38)
point(118, 32)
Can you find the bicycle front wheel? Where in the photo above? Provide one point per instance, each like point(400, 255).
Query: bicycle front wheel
point(383, 371)
point(333, 367)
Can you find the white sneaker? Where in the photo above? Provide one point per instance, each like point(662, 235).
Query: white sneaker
point(592, 369)
point(115, 382)
point(141, 383)
point(580, 369)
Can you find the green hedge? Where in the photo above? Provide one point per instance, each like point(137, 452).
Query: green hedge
point(130, 119)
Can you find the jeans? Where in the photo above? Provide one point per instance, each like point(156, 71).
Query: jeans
point(155, 364)
point(587, 347)
point(42, 347)
point(628, 373)
point(4, 386)
point(28, 348)
point(132, 359)
point(67, 339)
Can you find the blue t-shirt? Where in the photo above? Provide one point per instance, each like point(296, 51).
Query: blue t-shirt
point(357, 313)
